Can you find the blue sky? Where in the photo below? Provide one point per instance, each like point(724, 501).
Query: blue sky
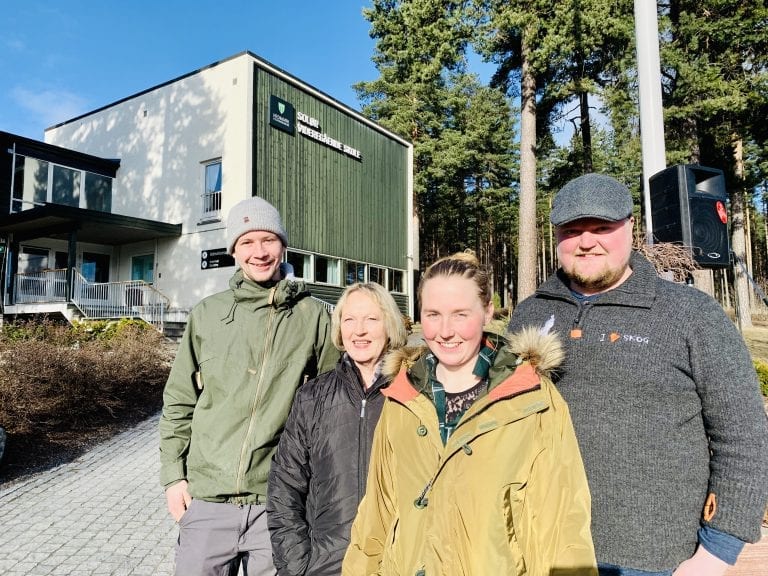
point(59, 59)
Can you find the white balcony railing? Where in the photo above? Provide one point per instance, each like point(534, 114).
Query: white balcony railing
point(39, 287)
point(211, 209)
point(129, 299)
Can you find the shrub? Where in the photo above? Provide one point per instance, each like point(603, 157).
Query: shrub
point(62, 377)
point(106, 329)
point(761, 368)
point(44, 329)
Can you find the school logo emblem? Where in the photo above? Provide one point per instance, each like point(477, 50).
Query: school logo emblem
point(282, 114)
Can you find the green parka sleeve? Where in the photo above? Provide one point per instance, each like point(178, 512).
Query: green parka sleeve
point(179, 400)
point(326, 353)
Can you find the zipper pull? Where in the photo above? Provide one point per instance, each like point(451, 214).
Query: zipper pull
point(362, 409)
point(576, 332)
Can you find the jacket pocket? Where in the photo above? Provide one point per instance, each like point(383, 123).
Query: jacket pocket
point(208, 377)
point(513, 514)
point(390, 562)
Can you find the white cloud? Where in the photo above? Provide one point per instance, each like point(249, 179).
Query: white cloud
point(50, 106)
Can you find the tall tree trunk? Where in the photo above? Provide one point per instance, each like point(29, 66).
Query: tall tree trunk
point(527, 252)
point(586, 131)
point(738, 242)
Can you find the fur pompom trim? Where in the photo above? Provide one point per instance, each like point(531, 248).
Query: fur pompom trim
point(401, 358)
point(542, 351)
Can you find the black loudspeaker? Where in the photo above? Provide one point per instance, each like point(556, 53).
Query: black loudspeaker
point(688, 207)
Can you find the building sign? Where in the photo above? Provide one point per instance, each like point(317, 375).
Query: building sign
point(282, 115)
point(215, 258)
point(310, 127)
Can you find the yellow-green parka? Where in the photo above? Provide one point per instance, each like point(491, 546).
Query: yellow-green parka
point(507, 494)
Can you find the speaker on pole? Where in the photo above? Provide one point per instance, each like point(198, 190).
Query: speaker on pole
point(688, 207)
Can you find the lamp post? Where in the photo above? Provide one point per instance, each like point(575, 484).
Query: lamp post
point(651, 112)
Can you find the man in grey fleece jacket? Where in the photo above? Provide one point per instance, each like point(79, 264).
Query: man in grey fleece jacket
point(663, 395)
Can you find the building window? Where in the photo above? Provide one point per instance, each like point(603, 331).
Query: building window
point(95, 267)
point(301, 264)
point(143, 268)
point(98, 192)
point(36, 182)
point(33, 259)
point(326, 270)
point(212, 192)
point(30, 183)
point(377, 275)
point(66, 186)
point(396, 281)
point(355, 272)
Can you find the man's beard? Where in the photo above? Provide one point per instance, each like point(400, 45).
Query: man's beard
point(596, 283)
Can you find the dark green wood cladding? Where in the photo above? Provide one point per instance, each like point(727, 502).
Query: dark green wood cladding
point(331, 203)
point(331, 294)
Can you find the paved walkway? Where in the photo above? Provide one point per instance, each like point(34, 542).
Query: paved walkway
point(101, 514)
point(104, 514)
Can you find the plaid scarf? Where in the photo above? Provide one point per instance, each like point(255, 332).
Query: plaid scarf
point(482, 367)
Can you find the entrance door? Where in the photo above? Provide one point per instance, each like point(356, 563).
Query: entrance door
point(60, 261)
point(95, 269)
point(143, 268)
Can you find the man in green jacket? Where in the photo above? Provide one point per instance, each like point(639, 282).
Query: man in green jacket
point(244, 353)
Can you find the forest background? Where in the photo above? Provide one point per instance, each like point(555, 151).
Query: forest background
point(489, 155)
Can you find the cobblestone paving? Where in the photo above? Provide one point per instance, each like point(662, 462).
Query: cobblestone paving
point(103, 513)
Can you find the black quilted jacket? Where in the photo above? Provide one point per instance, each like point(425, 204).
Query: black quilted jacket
point(319, 471)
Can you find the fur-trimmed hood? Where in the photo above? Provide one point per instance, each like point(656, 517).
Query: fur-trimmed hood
point(544, 352)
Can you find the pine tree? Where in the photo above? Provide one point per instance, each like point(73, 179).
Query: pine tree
point(425, 94)
point(549, 54)
point(715, 74)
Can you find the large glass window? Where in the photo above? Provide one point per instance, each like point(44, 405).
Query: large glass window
point(33, 284)
point(143, 268)
point(33, 259)
point(36, 182)
point(326, 270)
point(98, 192)
point(30, 183)
point(212, 191)
point(65, 186)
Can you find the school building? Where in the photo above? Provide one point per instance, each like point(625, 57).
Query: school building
point(121, 212)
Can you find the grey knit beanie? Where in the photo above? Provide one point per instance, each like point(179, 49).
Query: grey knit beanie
point(591, 196)
point(253, 214)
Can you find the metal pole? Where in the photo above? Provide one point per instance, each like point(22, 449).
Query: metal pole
point(651, 111)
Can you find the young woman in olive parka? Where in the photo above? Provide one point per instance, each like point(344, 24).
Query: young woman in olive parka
point(475, 467)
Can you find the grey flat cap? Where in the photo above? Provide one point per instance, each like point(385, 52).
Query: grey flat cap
point(591, 196)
